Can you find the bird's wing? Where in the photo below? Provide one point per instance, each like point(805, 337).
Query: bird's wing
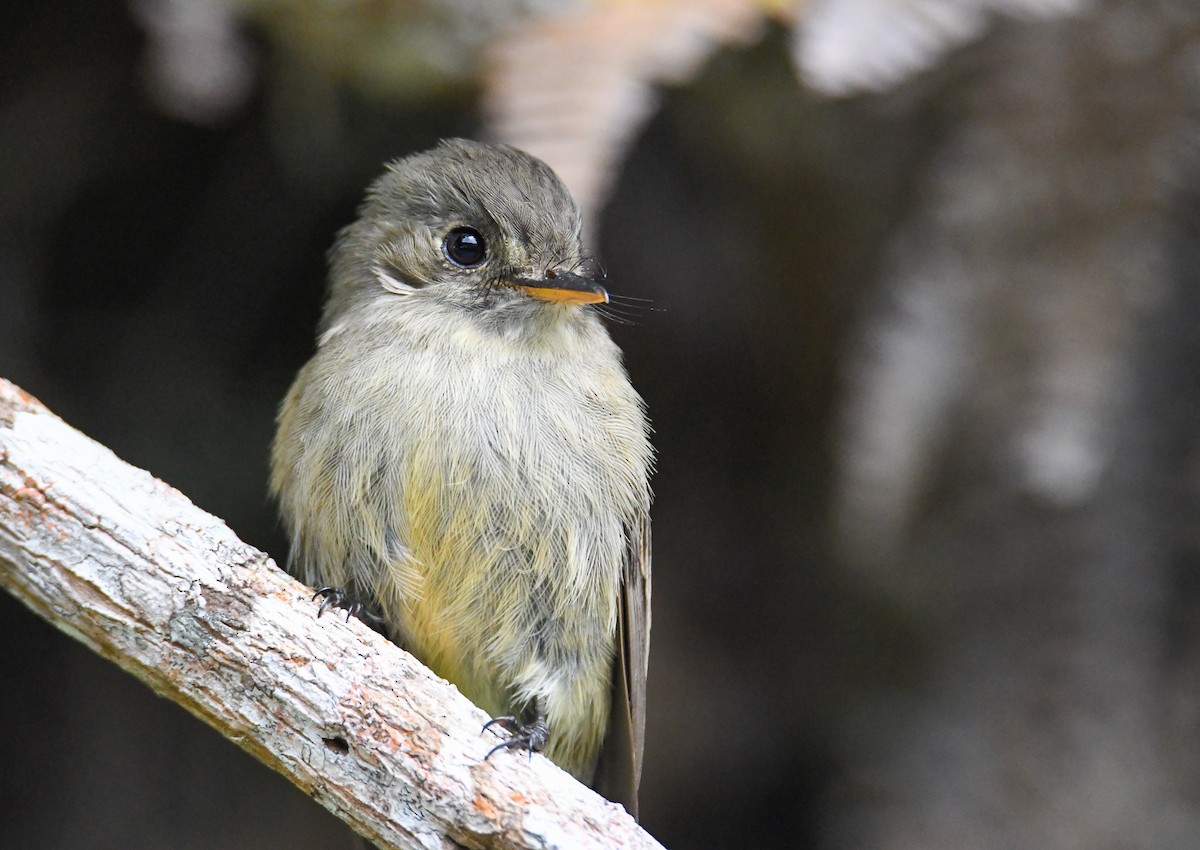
point(619, 771)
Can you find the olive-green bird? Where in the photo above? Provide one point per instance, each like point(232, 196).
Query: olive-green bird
point(465, 453)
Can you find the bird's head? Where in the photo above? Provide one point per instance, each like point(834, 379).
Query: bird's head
point(481, 228)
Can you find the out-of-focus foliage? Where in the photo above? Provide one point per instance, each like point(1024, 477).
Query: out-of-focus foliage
point(848, 46)
point(391, 49)
point(574, 89)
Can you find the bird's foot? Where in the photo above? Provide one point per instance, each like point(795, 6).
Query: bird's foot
point(337, 597)
point(531, 737)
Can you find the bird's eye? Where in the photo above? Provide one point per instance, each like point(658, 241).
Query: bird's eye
point(464, 247)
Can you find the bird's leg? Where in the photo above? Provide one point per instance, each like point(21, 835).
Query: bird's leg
point(529, 733)
point(339, 597)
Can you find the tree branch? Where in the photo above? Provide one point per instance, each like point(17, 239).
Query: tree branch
point(127, 565)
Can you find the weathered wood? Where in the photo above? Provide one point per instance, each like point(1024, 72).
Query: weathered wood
point(127, 565)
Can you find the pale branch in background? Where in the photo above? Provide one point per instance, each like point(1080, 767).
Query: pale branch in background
point(128, 566)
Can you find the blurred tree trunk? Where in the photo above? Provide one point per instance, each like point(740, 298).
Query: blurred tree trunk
point(1010, 461)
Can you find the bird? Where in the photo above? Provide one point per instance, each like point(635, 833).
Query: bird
point(465, 455)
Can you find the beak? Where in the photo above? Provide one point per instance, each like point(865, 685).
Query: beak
point(564, 288)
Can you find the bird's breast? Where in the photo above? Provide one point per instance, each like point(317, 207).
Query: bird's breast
point(517, 478)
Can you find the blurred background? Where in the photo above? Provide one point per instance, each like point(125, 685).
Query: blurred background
point(921, 351)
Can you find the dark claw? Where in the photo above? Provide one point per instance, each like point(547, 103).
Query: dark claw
point(336, 597)
point(511, 724)
point(532, 737)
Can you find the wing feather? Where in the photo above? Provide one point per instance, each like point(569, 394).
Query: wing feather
point(619, 771)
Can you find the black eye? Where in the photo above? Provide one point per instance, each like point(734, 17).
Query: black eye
point(464, 247)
